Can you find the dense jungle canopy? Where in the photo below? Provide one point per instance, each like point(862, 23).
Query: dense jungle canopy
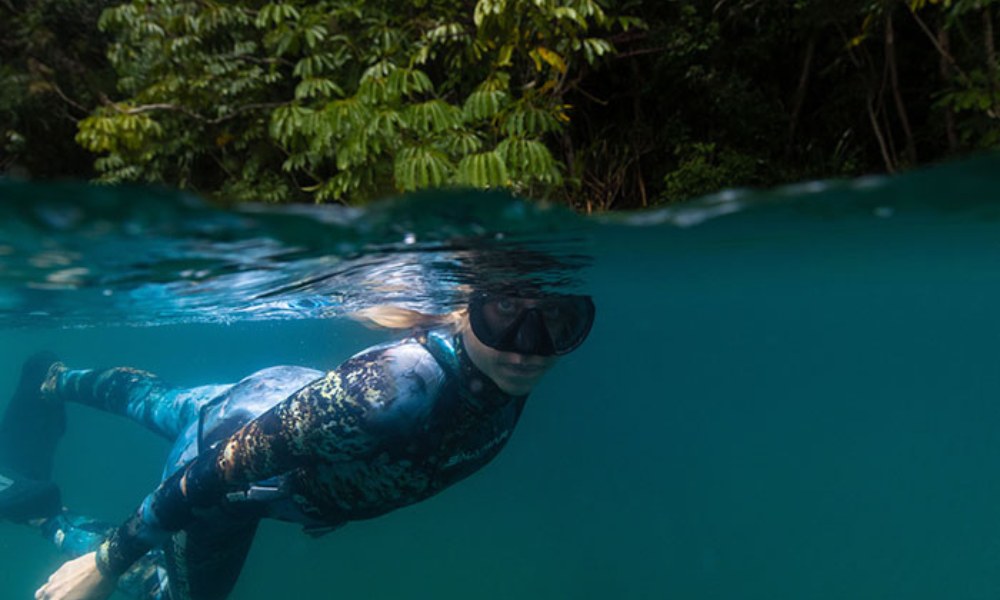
point(601, 104)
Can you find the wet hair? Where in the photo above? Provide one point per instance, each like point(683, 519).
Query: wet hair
point(389, 316)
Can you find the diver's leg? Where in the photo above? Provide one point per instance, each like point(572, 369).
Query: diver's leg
point(138, 395)
point(30, 429)
point(76, 535)
point(31, 426)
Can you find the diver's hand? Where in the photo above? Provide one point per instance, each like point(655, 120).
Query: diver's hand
point(78, 579)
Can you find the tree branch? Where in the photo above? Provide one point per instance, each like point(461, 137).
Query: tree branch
point(878, 135)
point(67, 99)
point(640, 52)
point(945, 54)
point(144, 108)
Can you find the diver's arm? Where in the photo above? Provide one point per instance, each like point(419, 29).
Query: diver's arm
point(77, 579)
point(346, 415)
point(343, 415)
point(278, 441)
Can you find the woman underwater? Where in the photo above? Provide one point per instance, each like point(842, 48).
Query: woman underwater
point(392, 425)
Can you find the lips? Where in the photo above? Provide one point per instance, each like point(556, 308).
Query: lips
point(522, 370)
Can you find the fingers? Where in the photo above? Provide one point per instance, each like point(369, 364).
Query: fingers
point(46, 592)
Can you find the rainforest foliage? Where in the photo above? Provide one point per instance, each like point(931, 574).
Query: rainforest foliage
point(602, 104)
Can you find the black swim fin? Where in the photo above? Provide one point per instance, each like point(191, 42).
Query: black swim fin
point(23, 499)
point(29, 432)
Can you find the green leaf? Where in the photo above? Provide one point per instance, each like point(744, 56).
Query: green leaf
point(484, 104)
point(485, 9)
point(385, 123)
point(275, 14)
point(463, 143)
point(314, 35)
point(433, 116)
point(569, 14)
point(408, 82)
point(289, 120)
point(447, 32)
point(529, 160)
point(421, 167)
point(594, 48)
point(483, 170)
point(527, 120)
point(317, 87)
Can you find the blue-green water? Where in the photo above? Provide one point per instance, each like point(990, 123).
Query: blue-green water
point(797, 398)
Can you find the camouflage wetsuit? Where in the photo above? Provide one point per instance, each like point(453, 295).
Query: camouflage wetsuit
point(389, 427)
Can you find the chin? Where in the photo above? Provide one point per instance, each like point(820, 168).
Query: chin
point(517, 388)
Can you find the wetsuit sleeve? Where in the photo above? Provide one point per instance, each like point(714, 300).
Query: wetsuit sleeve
point(370, 402)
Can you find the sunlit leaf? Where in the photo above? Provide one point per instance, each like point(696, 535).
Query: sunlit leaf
point(482, 170)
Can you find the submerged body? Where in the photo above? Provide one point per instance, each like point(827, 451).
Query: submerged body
point(389, 427)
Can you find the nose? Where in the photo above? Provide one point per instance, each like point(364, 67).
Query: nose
point(532, 336)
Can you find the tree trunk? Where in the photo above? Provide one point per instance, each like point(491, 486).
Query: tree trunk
point(910, 150)
point(642, 184)
point(991, 58)
point(638, 127)
point(877, 129)
point(947, 73)
point(800, 92)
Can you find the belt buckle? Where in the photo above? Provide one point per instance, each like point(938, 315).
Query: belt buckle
point(257, 493)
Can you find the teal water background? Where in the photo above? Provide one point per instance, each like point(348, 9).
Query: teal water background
point(800, 399)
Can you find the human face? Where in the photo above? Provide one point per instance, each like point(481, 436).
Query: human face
point(553, 325)
point(515, 374)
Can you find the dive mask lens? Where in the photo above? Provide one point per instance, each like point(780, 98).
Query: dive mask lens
point(543, 326)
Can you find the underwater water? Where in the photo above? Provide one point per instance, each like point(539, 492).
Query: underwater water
point(786, 394)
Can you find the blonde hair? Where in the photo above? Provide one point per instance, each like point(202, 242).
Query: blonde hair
point(388, 316)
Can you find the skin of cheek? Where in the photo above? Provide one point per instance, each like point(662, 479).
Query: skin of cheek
point(502, 367)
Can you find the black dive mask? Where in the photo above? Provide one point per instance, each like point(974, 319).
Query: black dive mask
point(539, 326)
